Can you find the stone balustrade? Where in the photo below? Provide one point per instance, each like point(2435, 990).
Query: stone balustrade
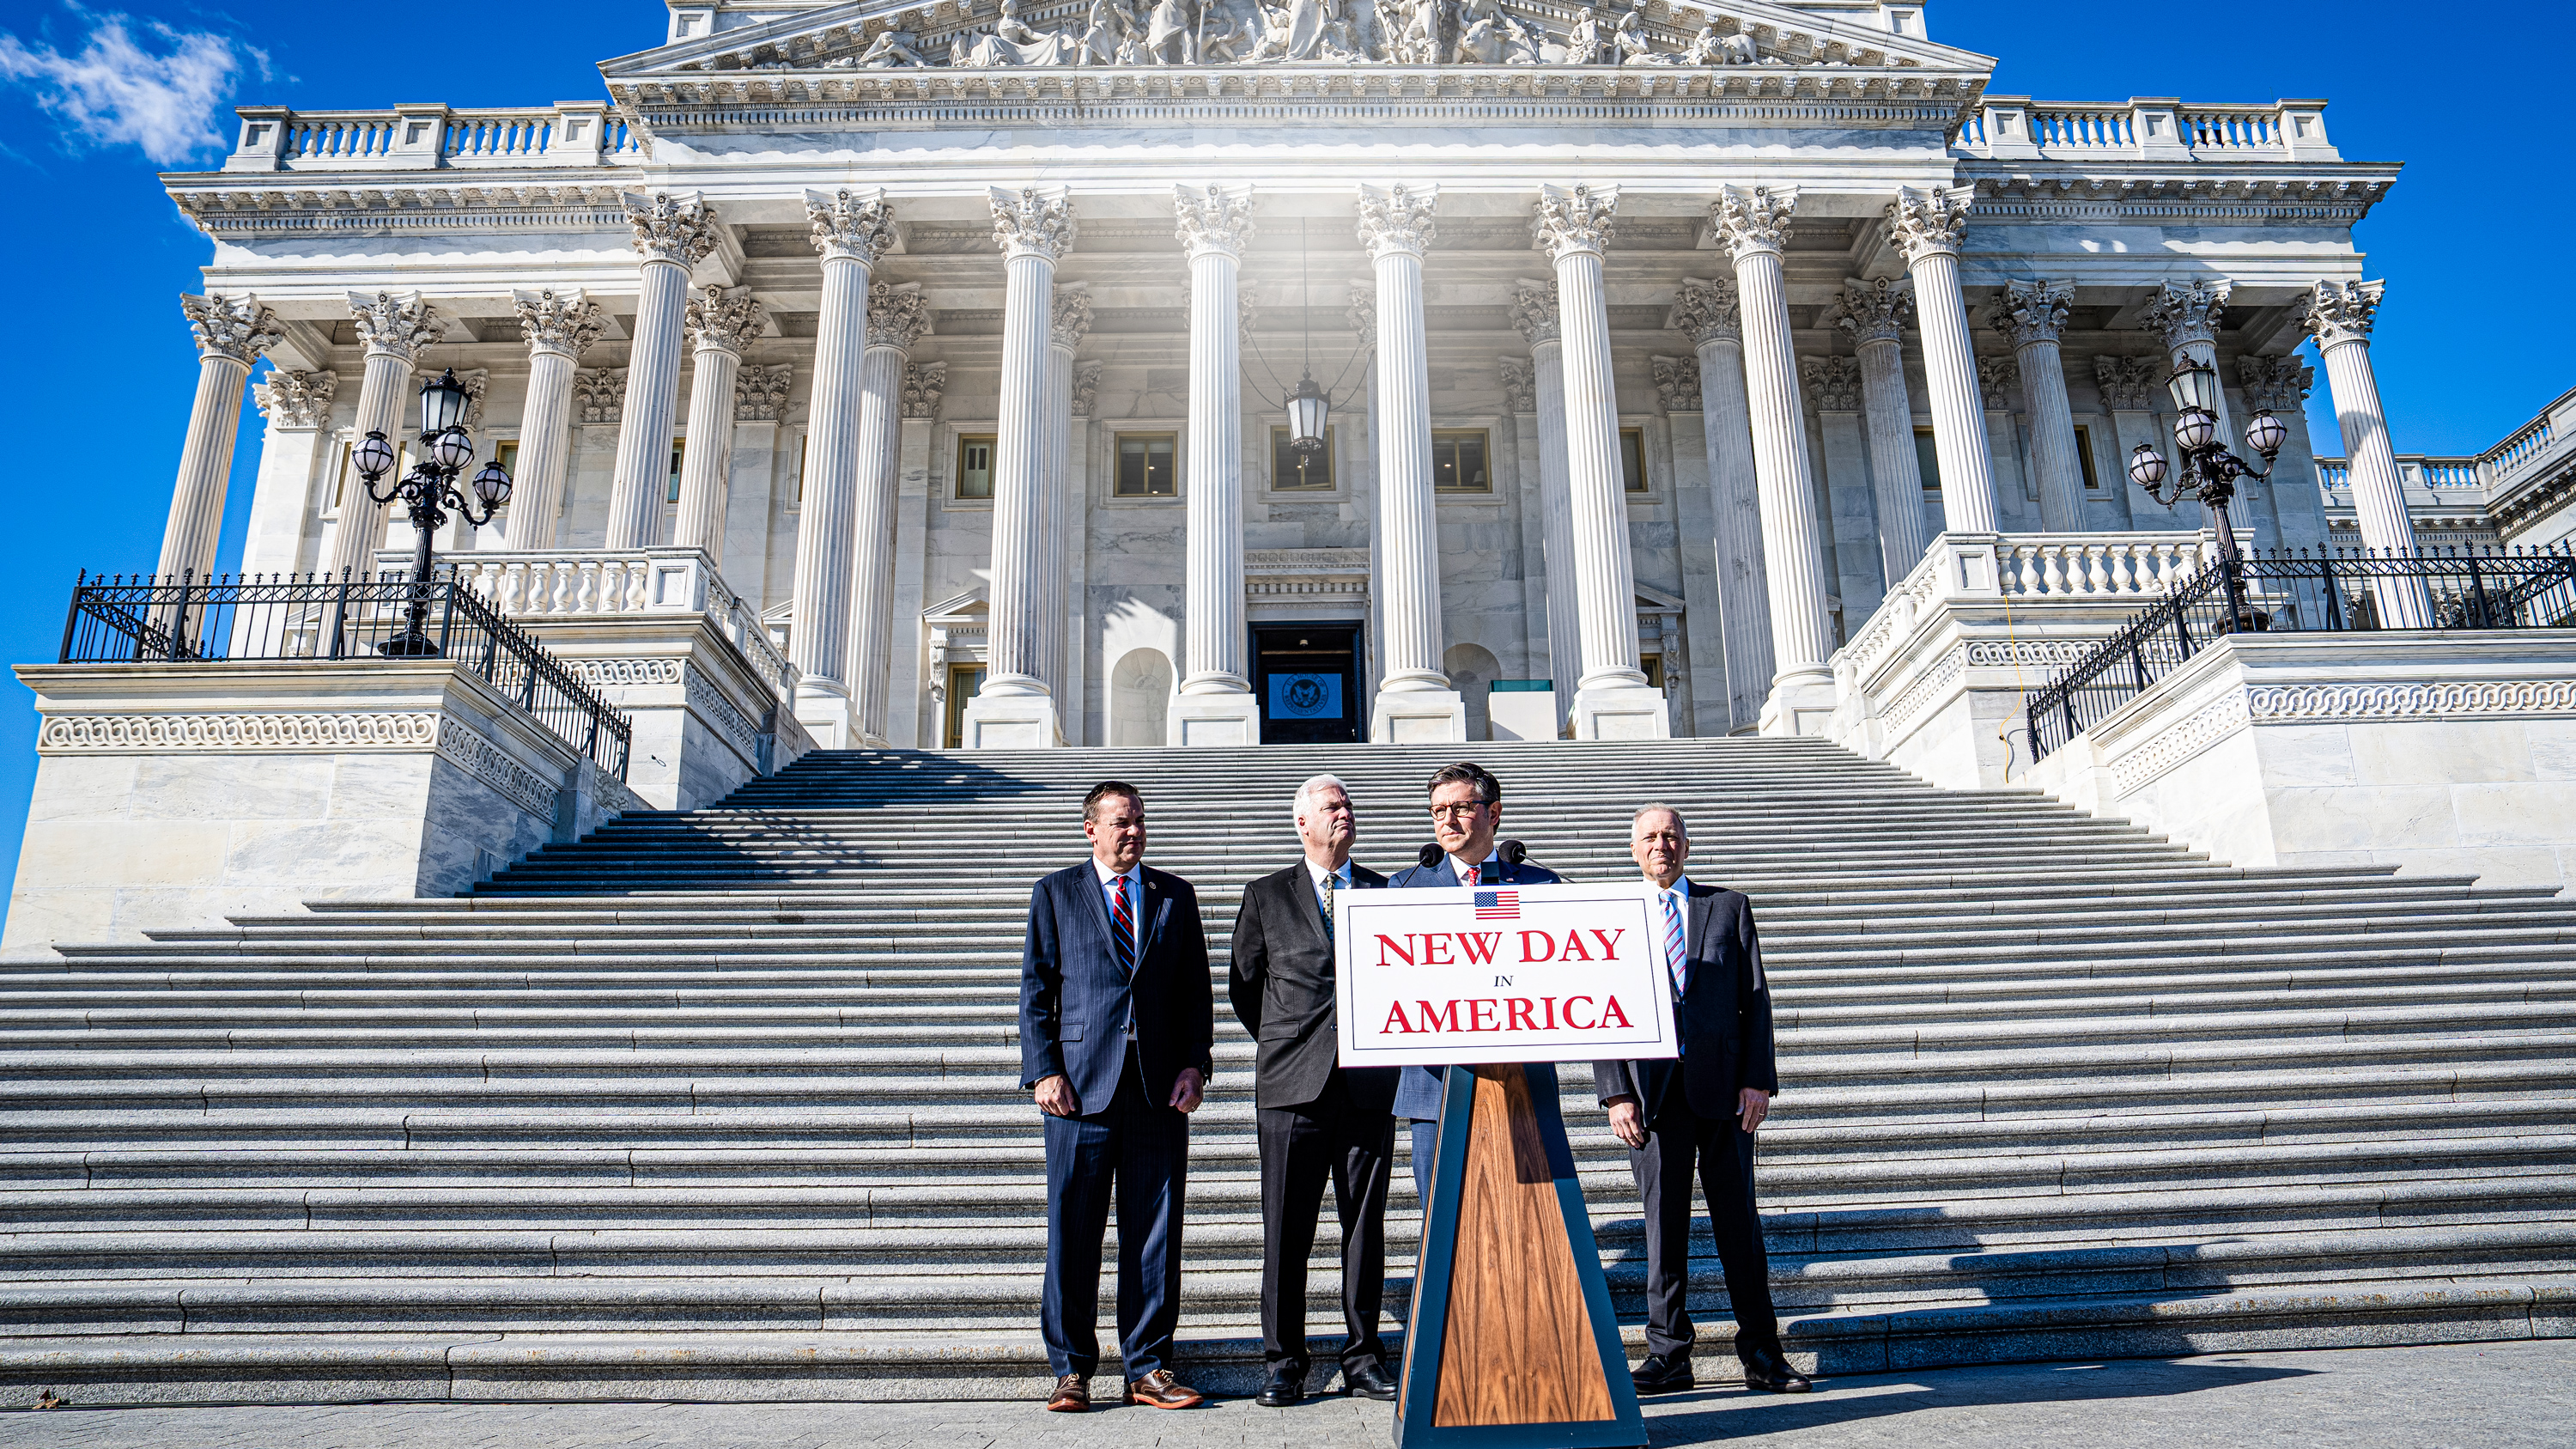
point(2145, 128)
point(2095, 566)
point(590, 583)
point(432, 137)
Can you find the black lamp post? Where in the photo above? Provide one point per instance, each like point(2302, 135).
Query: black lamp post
point(2209, 472)
point(429, 491)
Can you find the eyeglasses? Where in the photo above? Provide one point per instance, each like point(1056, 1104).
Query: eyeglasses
point(1457, 812)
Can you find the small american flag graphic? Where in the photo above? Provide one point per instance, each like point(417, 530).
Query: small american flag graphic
point(1498, 905)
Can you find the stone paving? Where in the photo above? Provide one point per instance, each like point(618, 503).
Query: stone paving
point(2472, 1396)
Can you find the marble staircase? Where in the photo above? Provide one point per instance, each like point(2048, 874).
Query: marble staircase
point(724, 1103)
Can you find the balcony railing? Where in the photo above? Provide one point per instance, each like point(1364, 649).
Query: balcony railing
point(319, 618)
point(2145, 129)
point(428, 138)
point(2298, 592)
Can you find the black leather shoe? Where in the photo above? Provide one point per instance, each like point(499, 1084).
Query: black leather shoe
point(1663, 1374)
point(1369, 1381)
point(1768, 1370)
point(1286, 1385)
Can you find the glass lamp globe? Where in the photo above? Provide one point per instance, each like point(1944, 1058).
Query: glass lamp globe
point(375, 456)
point(1308, 409)
point(452, 449)
point(2147, 466)
point(492, 486)
point(2194, 384)
point(2195, 429)
point(442, 403)
point(2265, 434)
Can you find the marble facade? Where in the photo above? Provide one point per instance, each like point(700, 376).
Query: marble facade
point(1661, 342)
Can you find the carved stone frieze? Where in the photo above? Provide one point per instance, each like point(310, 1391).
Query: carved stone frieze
point(461, 745)
point(599, 394)
point(2128, 384)
point(237, 328)
point(924, 383)
point(566, 322)
point(1519, 377)
point(760, 393)
point(297, 399)
point(1033, 221)
point(1705, 310)
point(238, 733)
point(1534, 310)
point(2275, 384)
point(1676, 383)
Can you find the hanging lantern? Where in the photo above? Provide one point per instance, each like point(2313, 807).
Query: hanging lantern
point(1308, 410)
point(442, 404)
point(2194, 384)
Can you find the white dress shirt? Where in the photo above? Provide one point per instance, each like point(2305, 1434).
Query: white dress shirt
point(1316, 873)
point(1485, 872)
point(1135, 878)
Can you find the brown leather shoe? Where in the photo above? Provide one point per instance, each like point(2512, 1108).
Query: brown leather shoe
point(1159, 1390)
point(1072, 1395)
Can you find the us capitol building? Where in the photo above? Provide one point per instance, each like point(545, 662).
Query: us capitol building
point(1654, 347)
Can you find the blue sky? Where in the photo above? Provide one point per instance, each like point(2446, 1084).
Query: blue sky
point(94, 101)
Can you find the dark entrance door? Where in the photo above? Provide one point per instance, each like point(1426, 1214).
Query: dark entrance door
point(1307, 677)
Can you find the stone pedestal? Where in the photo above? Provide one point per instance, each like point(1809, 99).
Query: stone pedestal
point(1621, 712)
point(1522, 714)
point(1418, 717)
point(171, 797)
point(1215, 719)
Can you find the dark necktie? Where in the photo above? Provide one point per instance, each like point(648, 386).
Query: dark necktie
point(1329, 880)
point(1122, 925)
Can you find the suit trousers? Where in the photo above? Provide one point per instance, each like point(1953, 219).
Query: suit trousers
point(1723, 1151)
point(1138, 1149)
point(1301, 1146)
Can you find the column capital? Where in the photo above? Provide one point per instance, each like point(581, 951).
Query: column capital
point(1534, 310)
point(1362, 313)
point(1519, 377)
point(1830, 384)
point(1874, 311)
point(1706, 311)
point(669, 226)
point(1086, 387)
point(1033, 221)
point(1676, 383)
point(2341, 311)
point(1923, 223)
point(1752, 219)
point(853, 223)
point(924, 383)
point(600, 394)
point(1998, 378)
point(297, 399)
point(238, 328)
point(2031, 312)
point(1214, 219)
point(724, 319)
point(2275, 384)
point(552, 321)
point(1572, 219)
point(1072, 320)
point(760, 393)
point(1397, 218)
point(396, 324)
point(2128, 384)
point(2188, 314)
point(897, 316)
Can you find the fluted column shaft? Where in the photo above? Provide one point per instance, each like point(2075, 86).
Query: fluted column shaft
point(1556, 517)
point(1605, 578)
point(880, 451)
point(704, 469)
point(1059, 506)
point(1802, 635)
point(1212, 607)
point(1408, 534)
point(231, 335)
point(1958, 409)
point(1743, 583)
point(652, 398)
point(1017, 645)
point(1894, 469)
point(384, 394)
point(819, 643)
point(2340, 316)
point(545, 449)
point(2052, 436)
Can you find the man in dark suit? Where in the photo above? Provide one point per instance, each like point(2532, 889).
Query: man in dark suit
point(1702, 1108)
point(1466, 810)
point(1315, 1119)
point(1115, 1024)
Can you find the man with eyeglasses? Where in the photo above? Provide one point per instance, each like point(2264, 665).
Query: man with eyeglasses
point(1466, 810)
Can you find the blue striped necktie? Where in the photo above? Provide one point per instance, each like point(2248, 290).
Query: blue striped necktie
point(1122, 925)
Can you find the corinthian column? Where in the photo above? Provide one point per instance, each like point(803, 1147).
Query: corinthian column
point(231, 332)
point(2339, 315)
point(395, 326)
point(1754, 223)
point(1215, 704)
point(1928, 226)
point(2186, 319)
point(558, 327)
point(1071, 323)
point(897, 318)
point(1014, 709)
point(1874, 314)
point(851, 229)
point(1707, 312)
point(672, 233)
point(1612, 700)
point(1415, 704)
point(1534, 313)
point(2032, 316)
point(724, 321)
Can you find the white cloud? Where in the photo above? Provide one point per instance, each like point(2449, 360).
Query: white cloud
point(117, 91)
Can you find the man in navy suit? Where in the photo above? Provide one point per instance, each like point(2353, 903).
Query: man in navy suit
point(1702, 1109)
point(1466, 810)
point(1116, 1019)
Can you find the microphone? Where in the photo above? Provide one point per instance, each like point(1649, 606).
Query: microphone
point(1513, 852)
point(1429, 855)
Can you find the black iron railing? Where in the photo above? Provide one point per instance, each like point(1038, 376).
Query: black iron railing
point(146, 619)
point(2300, 592)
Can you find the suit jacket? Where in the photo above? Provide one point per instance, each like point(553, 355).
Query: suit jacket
point(1724, 1016)
point(1282, 990)
point(1418, 1095)
point(1075, 1002)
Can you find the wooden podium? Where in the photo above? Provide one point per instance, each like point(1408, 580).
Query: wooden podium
point(1512, 1342)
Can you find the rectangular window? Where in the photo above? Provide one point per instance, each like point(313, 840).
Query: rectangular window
point(678, 446)
point(963, 682)
point(1928, 458)
point(1458, 461)
point(1295, 472)
point(505, 451)
point(975, 465)
point(1632, 458)
point(1147, 465)
point(346, 483)
point(1653, 664)
point(2084, 458)
point(799, 493)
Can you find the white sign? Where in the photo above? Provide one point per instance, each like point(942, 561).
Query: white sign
point(1544, 973)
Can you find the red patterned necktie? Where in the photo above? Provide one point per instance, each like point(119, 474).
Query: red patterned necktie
point(1473, 874)
point(1122, 924)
